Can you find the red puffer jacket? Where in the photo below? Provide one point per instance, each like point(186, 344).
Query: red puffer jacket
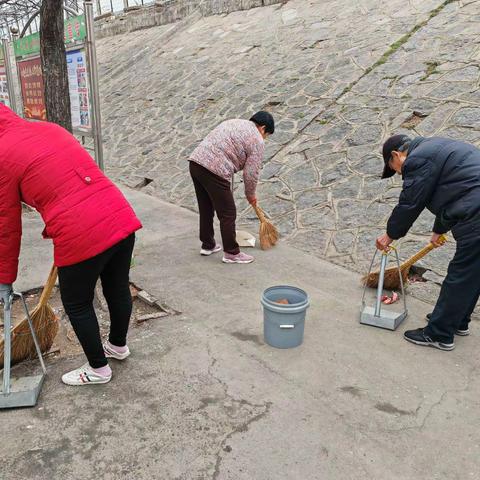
point(44, 166)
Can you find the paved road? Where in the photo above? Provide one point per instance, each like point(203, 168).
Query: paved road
point(203, 397)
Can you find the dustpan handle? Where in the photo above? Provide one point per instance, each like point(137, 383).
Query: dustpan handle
point(369, 272)
point(32, 330)
point(383, 266)
point(7, 344)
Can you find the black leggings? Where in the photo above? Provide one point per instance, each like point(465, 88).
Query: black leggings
point(77, 288)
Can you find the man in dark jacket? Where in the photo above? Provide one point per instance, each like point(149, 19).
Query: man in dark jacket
point(443, 176)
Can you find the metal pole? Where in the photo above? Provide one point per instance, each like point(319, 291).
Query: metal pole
point(125, 5)
point(32, 330)
point(20, 110)
point(7, 344)
point(14, 31)
point(99, 8)
point(93, 71)
point(383, 265)
point(8, 70)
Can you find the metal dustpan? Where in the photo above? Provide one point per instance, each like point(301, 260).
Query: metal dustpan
point(23, 391)
point(245, 239)
point(376, 316)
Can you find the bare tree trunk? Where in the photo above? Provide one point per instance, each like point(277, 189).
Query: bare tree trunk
point(54, 63)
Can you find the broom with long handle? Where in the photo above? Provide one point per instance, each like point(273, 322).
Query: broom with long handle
point(392, 279)
point(268, 233)
point(45, 324)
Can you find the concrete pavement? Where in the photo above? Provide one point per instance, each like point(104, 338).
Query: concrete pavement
point(202, 396)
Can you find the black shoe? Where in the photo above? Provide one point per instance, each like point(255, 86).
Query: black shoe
point(418, 337)
point(461, 332)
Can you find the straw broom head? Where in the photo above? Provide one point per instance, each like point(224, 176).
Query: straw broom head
point(392, 278)
point(45, 324)
point(268, 233)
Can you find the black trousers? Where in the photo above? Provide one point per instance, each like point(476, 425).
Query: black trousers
point(459, 293)
point(77, 289)
point(214, 194)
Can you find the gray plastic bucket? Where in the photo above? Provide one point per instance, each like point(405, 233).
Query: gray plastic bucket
point(283, 325)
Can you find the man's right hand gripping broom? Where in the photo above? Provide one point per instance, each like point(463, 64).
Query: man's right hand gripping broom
point(438, 239)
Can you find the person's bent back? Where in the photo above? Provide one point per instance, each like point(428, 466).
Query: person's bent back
point(44, 166)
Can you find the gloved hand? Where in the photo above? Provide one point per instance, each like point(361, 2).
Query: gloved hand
point(252, 201)
point(5, 291)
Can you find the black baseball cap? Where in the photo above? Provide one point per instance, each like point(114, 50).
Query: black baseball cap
point(396, 143)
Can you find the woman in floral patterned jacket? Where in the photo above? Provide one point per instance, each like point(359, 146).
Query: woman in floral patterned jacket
point(232, 146)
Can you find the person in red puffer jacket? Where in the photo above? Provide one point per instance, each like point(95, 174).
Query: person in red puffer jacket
point(90, 222)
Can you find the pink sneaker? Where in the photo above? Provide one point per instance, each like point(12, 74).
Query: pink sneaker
point(206, 252)
point(238, 258)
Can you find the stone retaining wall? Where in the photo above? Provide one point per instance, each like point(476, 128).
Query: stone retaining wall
point(169, 11)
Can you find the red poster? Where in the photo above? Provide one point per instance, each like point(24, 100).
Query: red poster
point(30, 72)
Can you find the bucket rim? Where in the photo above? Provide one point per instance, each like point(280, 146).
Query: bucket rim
point(269, 302)
point(290, 287)
point(285, 309)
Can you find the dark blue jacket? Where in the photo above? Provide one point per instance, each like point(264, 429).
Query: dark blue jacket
point(442, 175)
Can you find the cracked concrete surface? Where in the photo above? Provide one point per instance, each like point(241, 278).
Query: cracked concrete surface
point(203, 397)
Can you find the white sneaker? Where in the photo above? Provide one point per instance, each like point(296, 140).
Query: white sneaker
point(111, 353)
point(206, 252)
point(84, 376)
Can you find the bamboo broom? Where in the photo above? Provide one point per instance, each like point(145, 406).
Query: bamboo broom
point(392, 278)
point(45, 324)
point(268, 233)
